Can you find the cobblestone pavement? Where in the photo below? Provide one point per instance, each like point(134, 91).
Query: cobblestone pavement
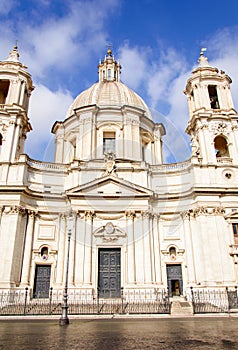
point(166, 333)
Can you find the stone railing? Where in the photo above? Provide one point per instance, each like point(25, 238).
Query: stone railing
point(172, 167)
point(36, 164)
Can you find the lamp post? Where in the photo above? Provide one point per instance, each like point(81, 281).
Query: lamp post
point(64, 319)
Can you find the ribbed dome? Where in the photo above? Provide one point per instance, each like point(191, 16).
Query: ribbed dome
point(109, 93)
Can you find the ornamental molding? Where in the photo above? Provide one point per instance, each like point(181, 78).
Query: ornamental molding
point(234, 127)
point(131, 120)
point(14, 209)
point(195, 145)
point(3, 130)
point(218, 128)
point(130, 214)
point(89, 214)
point(198, 211)
point(109, 216)
point(109, 232)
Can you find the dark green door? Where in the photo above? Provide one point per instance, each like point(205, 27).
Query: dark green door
point(42, 281)
point(109, 274)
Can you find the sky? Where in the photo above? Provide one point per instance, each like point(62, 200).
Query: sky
point(156, 41)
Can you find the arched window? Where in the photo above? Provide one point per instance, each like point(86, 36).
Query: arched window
point(4, 88)
point(221, 147)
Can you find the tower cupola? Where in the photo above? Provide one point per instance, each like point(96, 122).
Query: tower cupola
point(213, 118)
point(15, 91)
point(109, 69)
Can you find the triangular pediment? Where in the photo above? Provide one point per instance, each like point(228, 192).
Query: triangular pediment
point(110, 186)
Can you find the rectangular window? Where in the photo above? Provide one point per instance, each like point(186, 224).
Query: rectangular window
point(235, 229)
point(109, 142)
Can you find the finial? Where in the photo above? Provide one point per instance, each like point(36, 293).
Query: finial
point(109, 49)
point(14, 54)
point(203, 61)
point(16, 45)
point(203, 49)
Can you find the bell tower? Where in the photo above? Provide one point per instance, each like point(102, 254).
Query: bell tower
point(15, 90)
point(213, 124)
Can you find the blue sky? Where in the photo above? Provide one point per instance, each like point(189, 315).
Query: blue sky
point(157, 42)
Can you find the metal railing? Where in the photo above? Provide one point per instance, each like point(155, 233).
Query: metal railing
point(214, 301)
point(83, 303)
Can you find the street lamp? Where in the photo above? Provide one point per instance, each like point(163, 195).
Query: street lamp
point(64, 320)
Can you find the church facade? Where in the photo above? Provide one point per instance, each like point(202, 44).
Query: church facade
point(108, 214)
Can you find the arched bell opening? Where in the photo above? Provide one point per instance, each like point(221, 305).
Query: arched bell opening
point(221, 147)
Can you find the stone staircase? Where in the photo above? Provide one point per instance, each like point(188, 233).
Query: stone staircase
point(181, 307)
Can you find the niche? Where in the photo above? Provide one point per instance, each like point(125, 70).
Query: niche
point(44, 253)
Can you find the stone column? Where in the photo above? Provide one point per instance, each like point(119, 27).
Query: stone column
point(15, 140)
point(203, 145)
point(139, 250)
point(23, 87)
point(147, 246)
point(25, 276)
point(131, 265)
point(59, 147)
point(8, 144)
point(188, 238)
point(199, 237)
point(72, 254)
point(12, 245)
point(87, 266)
point(128, 149)
point(79, 251)
point(61, 249)
point(157, 250)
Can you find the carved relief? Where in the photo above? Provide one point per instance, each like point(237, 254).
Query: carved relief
point(14, 209)
point(147, 214)
point(109, 232)
point(195, 145)
point(130, 214)
point(218, 211)
point(193, 213)
point(220, 128)
point(110, 164)
point(89, 214)
point(3, 130)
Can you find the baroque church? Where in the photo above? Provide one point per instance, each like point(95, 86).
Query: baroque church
point(108, 214)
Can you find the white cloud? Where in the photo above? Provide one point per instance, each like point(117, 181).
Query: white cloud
point(135, 65)
point(46, 107)
point(59, 43)
point(164, 78)
point(6, 6)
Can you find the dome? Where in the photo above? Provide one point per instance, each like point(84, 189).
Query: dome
point(109, 93)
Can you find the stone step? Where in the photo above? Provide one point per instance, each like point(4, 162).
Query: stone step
point(180, 308)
